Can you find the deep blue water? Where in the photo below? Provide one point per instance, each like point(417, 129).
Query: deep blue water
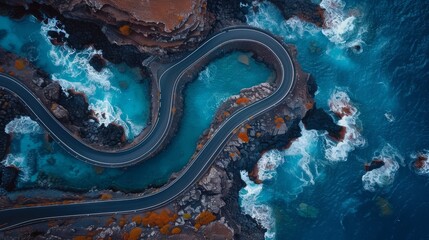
point(320, 189)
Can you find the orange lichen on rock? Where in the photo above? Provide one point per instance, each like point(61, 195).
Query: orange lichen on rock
point(110, 221)
point(309, 105)
point(204, 218)
point(122, 222)
point(20, 64)
point(81, 238)
point(137, 219)
point(135, 233)
point(106, 196)
point(125, 30)
point(242, 100)
point(278, 121)
point(176, 230)
point(159, 219)
point(165, 229)
point(243, 137)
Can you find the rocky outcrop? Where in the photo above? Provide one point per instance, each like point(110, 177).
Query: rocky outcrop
point(318, 119)
point(60, 112)
point(303, 9)
point(151, 26)
point(8, 177)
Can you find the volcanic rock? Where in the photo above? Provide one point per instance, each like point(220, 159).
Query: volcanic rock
point(53, 91)
point(60, 112)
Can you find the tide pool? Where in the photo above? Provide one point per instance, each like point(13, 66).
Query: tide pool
point(320, 189)
point(49, 166)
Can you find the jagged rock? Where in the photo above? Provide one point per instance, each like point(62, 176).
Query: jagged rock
point(318, 119)
point(9, 176)
point(97, 62)
point(60, 112)
point(306, 10)
point(52, 91)
point(212, 182)
point(40, 82)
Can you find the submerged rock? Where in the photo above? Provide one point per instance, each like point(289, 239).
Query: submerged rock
point(307, 211)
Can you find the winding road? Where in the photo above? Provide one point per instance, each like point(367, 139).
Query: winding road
point(168, 82)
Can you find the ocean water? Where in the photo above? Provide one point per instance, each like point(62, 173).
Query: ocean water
point(45, 164)
point(318, 188)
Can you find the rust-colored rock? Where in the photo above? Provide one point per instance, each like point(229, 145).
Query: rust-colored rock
point(151, 25)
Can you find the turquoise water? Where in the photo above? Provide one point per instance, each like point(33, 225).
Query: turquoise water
point(221, 79)
point(112, 93)
point(319, 189)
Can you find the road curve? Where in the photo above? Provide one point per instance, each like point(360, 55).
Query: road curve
point(12, 218)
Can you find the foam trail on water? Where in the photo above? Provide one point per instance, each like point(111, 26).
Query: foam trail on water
point(23, 125)
point(252, 204)
point(385, 175)
point(341, 105)
point(302, 151)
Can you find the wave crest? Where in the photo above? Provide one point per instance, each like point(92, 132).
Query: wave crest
point(340, 104)
point(385, 175)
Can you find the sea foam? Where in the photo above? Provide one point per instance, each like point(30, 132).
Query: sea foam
point(23, 125)
point(341, 104)
point(78, 74)
point(424, 170)
point(385, 175)
point(253, 204)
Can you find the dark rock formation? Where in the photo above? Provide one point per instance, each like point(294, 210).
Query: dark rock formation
point(318, 119)
point(53, 91)
point(9, 176)
point(374, 164)
point(77, 106)
point(10, 108)
point(304, 9)
point(97, 62)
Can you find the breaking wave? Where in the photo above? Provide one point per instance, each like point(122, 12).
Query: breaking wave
point(268, 164)
point(340, 104)
point(341, 28)
point(78, 74)
point(23, 125)
point(252, 204)
point(385, 175)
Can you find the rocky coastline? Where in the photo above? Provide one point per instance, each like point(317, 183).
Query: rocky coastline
point(215, 193)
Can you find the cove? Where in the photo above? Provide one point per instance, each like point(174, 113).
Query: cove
point(111, 92)
point(221, 79)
